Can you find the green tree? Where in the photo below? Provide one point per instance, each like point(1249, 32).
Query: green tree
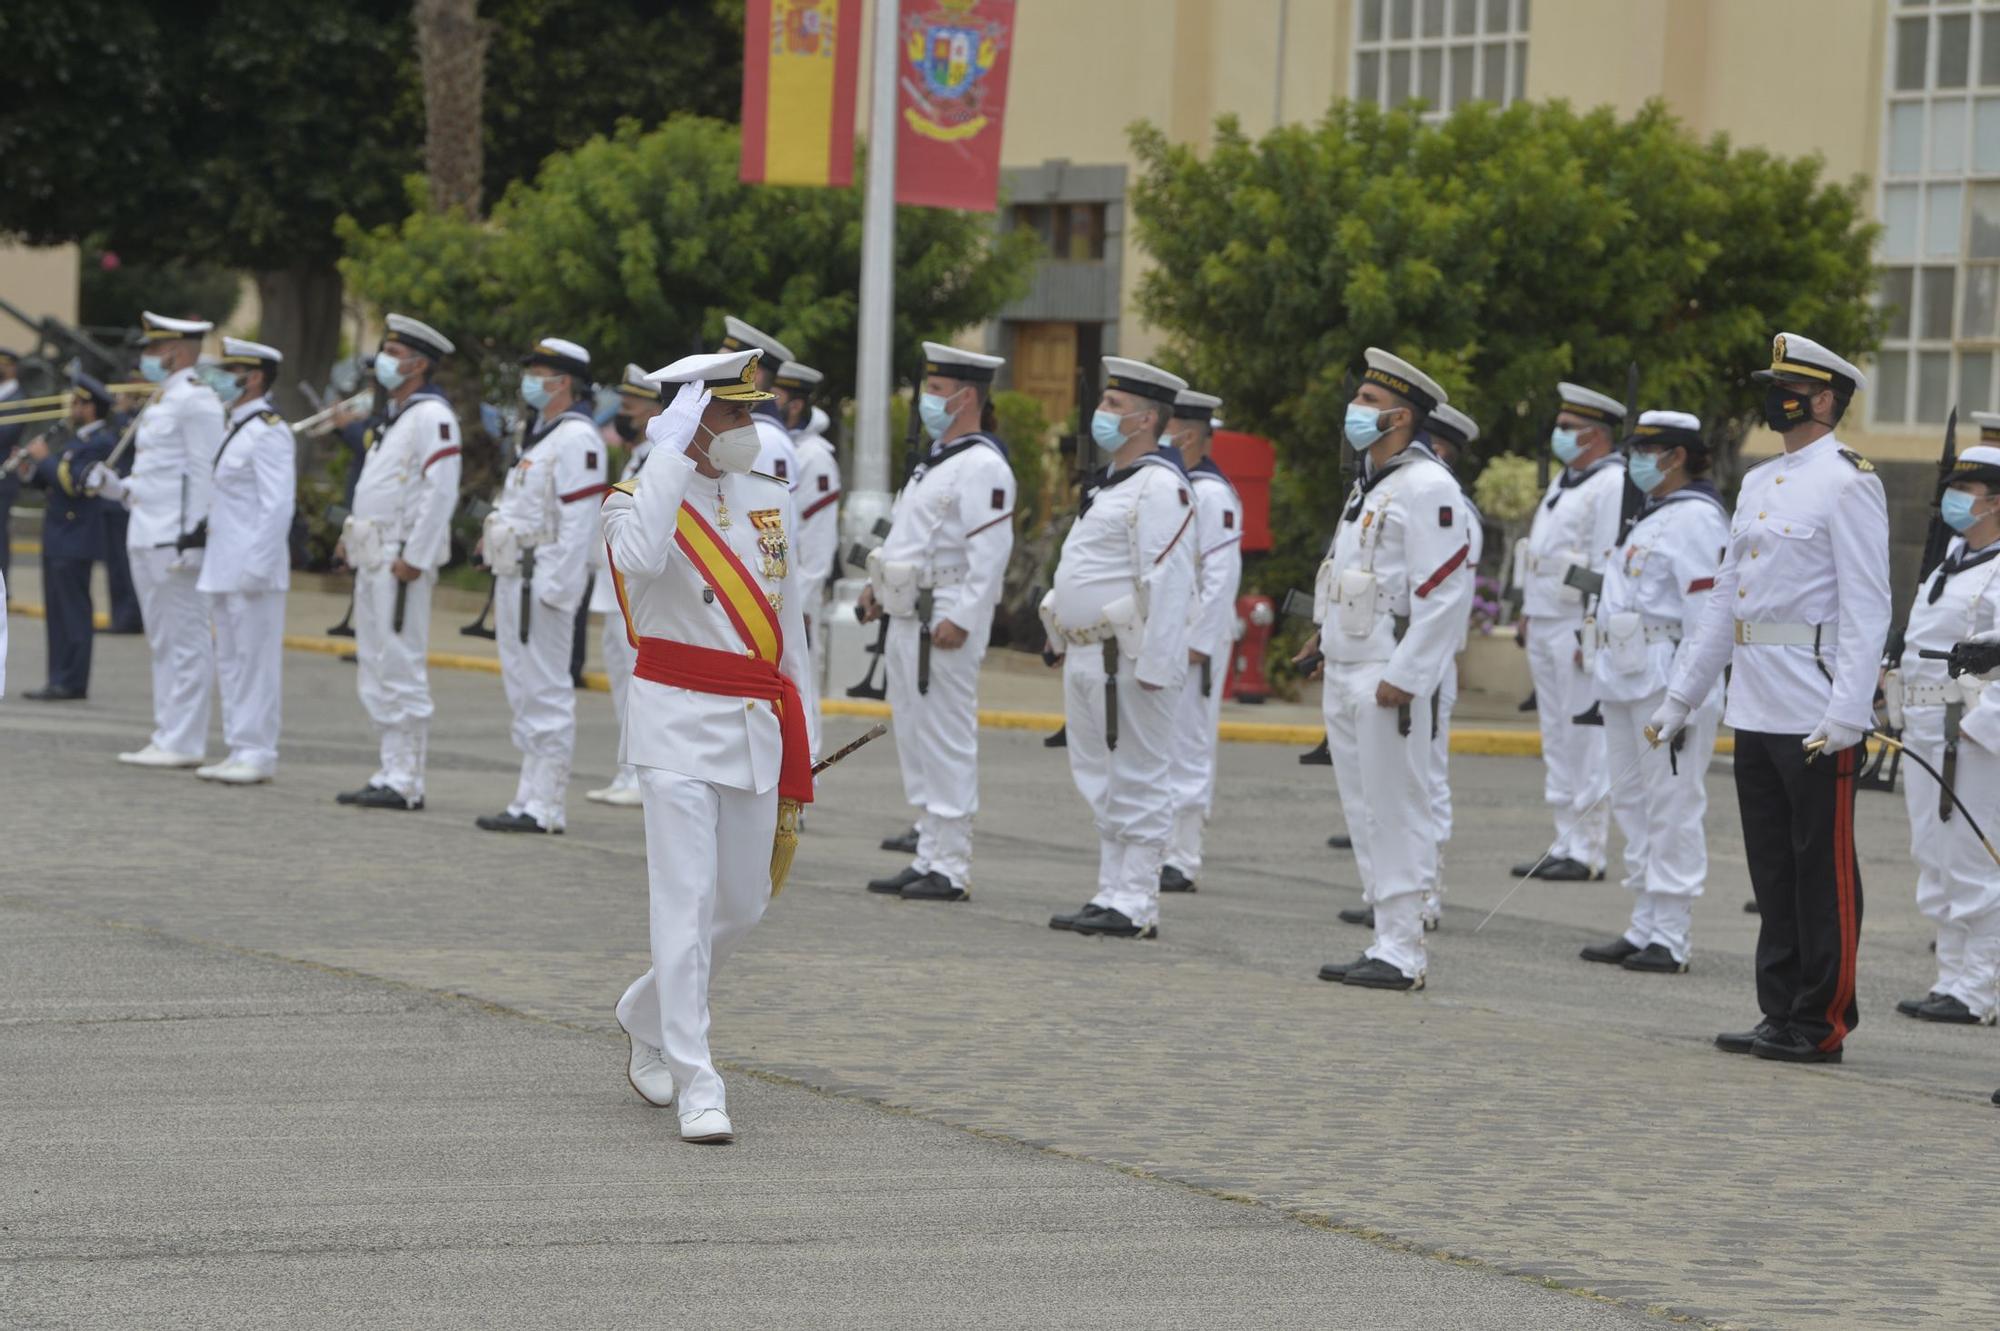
point(1501, 251)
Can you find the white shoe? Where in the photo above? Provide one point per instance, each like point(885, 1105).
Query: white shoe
point(707, 1125)
point(233, 772)
point(624, 797)
point(155, 756)
point(648, 1074)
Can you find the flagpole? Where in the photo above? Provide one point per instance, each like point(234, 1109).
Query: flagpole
point(867, 498)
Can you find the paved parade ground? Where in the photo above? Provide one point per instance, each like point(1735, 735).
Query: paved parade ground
point(272, 1062)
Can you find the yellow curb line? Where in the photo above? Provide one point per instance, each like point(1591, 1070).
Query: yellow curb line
point(26, 547)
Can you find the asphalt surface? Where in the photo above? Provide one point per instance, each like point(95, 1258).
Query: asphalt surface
point(268, 1060)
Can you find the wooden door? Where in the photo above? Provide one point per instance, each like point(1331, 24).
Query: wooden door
point(1045, 367)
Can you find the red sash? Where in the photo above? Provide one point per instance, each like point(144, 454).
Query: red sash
point(707, 670)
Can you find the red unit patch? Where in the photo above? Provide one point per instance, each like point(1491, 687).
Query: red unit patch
point(1444, 516)
point(1228, 519)
point(444, 429)
point(1184, 498)
point(999, 500)
point(590, 460)
point(825, 484)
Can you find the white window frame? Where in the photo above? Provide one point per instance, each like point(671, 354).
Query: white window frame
point(1392, 32)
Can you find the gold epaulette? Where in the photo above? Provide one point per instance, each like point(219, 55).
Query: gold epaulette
point(630, 487)
point(1860, 463)
point(767, 476)
point(270, 418)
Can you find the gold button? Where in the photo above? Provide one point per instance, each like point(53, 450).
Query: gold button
point(1760, 515)
point(1741, 592)
point(1778, 480)
point(1753, 554)
point(749, 651)
point(750, 706)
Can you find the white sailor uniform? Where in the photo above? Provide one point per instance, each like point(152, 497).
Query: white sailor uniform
point(1218, 529)
point(817, 497)
point(615, 640)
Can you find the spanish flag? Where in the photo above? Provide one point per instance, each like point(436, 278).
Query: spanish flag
point(801, 60)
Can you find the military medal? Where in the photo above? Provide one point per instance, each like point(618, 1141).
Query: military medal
point(770, 525)
point(721, 508)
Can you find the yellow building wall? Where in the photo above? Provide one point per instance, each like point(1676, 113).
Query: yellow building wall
point(40, 283)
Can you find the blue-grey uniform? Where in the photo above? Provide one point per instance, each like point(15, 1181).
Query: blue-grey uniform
point(72, 539)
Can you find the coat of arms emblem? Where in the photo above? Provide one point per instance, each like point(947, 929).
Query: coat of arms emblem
point(947, 55)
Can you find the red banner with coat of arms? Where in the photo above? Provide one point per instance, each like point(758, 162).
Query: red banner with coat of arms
point(951, 99)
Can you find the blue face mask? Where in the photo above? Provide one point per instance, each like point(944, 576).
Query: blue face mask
point(1645, 471)
point(931, 408)
point(1956, 509)
point(152, 369)
point(1564, 444)
point(1362, 427)
point(1107, 428)
point(535, 391)
point(388, 372)
point(217, 381)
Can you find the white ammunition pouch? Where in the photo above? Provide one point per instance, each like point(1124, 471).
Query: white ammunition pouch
point(367, 550)
point(1126, 617)
point(1587, 643)
point(895, 583)
point(1323, 592)
point(1892, 699)
point(504, 546)
point(1355, 598)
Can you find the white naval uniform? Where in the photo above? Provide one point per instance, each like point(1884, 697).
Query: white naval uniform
point(817, 496)
point(1127, 564)
point(777, 455)
point(403, 502)
point(616, 640)
point(1400, 560)
point(173, 461)
point(245, 573)
point(1576, 524)
point(1958, 885)
point(1447, 699)
point(952, 530)
point(549, 502)
point(1655, 590)
point(1218, 527)
point(708, 764)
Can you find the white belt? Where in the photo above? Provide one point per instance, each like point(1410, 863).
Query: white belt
point(1940, 694)
point(944, 577)
point(1655, 630)
point(1083, 637)
point(1786, 635)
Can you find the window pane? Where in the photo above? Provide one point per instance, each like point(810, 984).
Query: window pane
point(1433, 18)
point(1906, 138)
point(1464, 17)
point(1989, 50)
point(1986, 134)
point(1933, 386)
point(1493, 73)
point(1496, 17)
point(1461, 76)
point(1899, 222)
point(1520, 69)
point(1942, 221)
point(1910, 51)
point(1934, 289)
point(1401, 16)
point(1367, 68)
point(1892, 386)
point(1894, 297)
point(1985, 239)
point(1371, 20)
point(1948, 137)
point(1954, 40)
point(1981, 283)
point(1398, 90)
point(1975, 381)
point(1521, 16)
point(1430, 75)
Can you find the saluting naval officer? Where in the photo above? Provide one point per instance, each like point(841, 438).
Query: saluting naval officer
point(248, 565)
point(173, 461)
point(638, 404)
point(937, 576)
point(716, 721)
point(537, 542)
point(1954, 724)
point(1218, 527)
point(1390, 600)
point(777, 455)
point(1575, 526)
point(1656, 589)
point(817, 494)
point(396, 538)
point(1799, 613)
point(72, 535)
point(1119, 617)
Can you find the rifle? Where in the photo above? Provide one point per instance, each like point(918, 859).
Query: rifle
point(478, 510)
point(1880, 772)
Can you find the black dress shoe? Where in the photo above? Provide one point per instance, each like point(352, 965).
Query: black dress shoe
point(1740, 1042)
point(1909, 1006)
point(1751, 907)
point(1173, 880)
point(1336, 971)
point(934, 886)
point(1569, 871)
point(1059, 740)
point(1365, 917)
point(894, 884)
point(903, 843)
point(383, 797)
point(1114, 924)
point(54, 694)
point(1944, 1008)
point(1611, 953)
point(1319, 756)
point(1374, 973)
point(1526, 867)
point(1340, 841)
point(1654, 959)
point(1068, 919)
point(1790, 1046)
point(509, 822)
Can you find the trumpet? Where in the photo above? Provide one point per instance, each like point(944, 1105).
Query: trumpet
point(34, 405)
point(30, 417)
point(321, 421)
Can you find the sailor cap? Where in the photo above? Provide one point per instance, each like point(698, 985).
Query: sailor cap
point(1405, 380)
point(1669, 429)
point(737, 336)
point(1192, 406)
point(1801, 358)
point(1981, 462)
point(637, 383)
point(949, 362)
point(1989, 426)
point(798, 378)
point(159, 328)
point(1142, 380)
point(561, 355)
point(1453, 426)
point(1590, 404)
point(728, 375)
point(417, 336)
point(240, 354)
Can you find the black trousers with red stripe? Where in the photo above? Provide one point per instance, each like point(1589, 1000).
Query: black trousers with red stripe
point(1798, 834)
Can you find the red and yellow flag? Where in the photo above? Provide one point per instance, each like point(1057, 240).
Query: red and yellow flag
point(801, 59)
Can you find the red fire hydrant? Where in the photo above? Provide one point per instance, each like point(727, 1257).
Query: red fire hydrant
point(1254, 617)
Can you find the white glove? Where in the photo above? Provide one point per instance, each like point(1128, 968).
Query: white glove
point(675, 428)
point(106, 482)
point(1831, 737)
point(1667, 722)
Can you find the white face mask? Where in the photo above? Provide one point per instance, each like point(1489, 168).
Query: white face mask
point(734, 450)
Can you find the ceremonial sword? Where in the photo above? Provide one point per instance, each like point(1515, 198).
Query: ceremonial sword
point(1817, 747)
point(873, 732)
point(1632, 767)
